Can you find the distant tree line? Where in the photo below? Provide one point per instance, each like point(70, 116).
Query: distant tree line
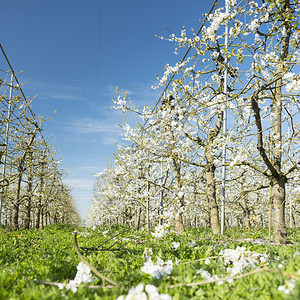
point(32, 191)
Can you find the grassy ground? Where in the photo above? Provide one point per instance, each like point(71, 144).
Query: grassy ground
point(33, 262)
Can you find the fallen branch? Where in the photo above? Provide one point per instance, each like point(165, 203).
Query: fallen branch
point(200, 259)
point(224, 279)
point(59, 284)
point(88, 264)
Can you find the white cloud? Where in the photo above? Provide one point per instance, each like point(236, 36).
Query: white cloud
point(90, 125)
point(81, 183)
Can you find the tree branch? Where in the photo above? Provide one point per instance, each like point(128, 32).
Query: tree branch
point(88, 264)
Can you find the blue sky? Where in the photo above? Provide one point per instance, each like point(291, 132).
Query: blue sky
point(73, 54)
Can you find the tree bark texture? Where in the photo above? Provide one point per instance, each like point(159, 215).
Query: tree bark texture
point(211, 195)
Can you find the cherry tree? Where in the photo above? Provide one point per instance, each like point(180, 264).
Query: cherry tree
point(250, 73)
point(268, 57)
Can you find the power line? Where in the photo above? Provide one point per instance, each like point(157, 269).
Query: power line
point(99, 39)
point(34, 122)
point(93, 83)
point(20, 88)
point(184, 57)
point(187, 52)
point(97, 61)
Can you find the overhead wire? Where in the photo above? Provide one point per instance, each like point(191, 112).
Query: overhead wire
point(183, 58)
point(98, 58)
point(23, 95)
point(15, 77)
point(97, 68)
point(96, 83)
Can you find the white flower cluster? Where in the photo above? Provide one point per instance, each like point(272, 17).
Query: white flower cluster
point(83, 276)
point(236, 29)
point(271, 58)
point(293, 83)
point(290, 283)
point(241, 259)
point(230, 2)
point(161, 269)
point(160, 231)
point(264, 17)
point(207, 276)
point(169, 70)
point(216, 20)
point(289, 287)
point(120, 104)
point(175, 245)
point(254, 24)
point(149, 292)
point(241, 156)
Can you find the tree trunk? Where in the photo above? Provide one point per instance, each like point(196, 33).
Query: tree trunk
point(179, 225)
point(211, 195)
point(138, 218)
point(38, 216)
point(28, 200)
point(27, 217)
point(207, 216)
point(42, 218)
point(16, 205)
point(10, 218)
point(15, 217)
point(246, 214)
point(278, 192)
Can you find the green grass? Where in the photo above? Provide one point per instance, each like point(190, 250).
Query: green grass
point(28, 257)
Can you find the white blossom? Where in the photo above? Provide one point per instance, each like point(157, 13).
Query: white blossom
point(288, 287)
point(143, 293)
point(158, 270)
point(160, 231)
point(230, 2)
point(240, 259)
point(253, 25)
point(175, 245)
point(83, 275)
point(264, 17)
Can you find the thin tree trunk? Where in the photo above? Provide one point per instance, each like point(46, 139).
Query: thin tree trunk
point(16, 206)
point(42, 218)
point(211, 195)
point(38, 216)
point(138, 218)
point(179, 225)
point(246, 214)
point(27, 217)
point(15, 215)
